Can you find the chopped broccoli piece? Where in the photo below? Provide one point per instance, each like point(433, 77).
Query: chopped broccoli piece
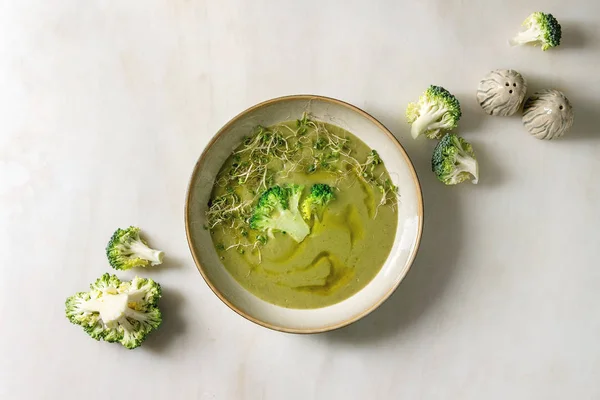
point(126, 250)
point(277, 211)
point(115, 311)
point(541, 29)
point(436, 111)
point(320, 195)
point(454, 161)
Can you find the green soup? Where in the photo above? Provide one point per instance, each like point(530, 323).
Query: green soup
point(347, 244)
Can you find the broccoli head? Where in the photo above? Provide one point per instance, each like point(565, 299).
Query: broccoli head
point(126, 250)
point(115, 311)
point(436, 111)
point(541, 29)
point(320, 195)
point(454, 161)
point(277, 211)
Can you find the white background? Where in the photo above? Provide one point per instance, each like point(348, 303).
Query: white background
point(105, 106)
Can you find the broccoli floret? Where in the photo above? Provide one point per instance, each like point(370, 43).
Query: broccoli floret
point(541, 29)
point(277, 211)
point(436, 111)
point(320, 195)
point(115, 311)
point(126, 250)
point(454, 161)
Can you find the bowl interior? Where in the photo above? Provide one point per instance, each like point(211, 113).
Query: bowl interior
point(410, 216)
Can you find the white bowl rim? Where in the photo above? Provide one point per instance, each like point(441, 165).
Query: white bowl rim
point(409, 262)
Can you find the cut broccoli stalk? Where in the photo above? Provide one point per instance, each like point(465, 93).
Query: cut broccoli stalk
point(277, 211)
point(126, 249)
point(541, 29)
point(454, 161)
point(436, 111)
point(116, 311)
point(110, 308)
point(316, 202)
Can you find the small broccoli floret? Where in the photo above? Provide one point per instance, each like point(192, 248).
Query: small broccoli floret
point(454, 161)
point(115, 311)
point(320, 195)
point(126, 250)
point(436, 111)
point(277, 211)
point(541, 29)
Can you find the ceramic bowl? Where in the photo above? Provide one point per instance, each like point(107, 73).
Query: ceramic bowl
point(410, 215)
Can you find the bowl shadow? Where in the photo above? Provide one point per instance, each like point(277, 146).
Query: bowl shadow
point(424, 284)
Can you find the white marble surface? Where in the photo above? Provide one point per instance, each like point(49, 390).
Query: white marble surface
point(105, 106)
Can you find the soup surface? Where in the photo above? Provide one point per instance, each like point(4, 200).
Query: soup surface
point(350, 238)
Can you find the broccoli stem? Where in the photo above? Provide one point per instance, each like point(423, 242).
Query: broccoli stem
point(111, 308)
point(140, 316)
point(293, 225)
point(421, 124)
point(530, 35)
point(467, 164)
point(145, 253)
point(136, 296)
